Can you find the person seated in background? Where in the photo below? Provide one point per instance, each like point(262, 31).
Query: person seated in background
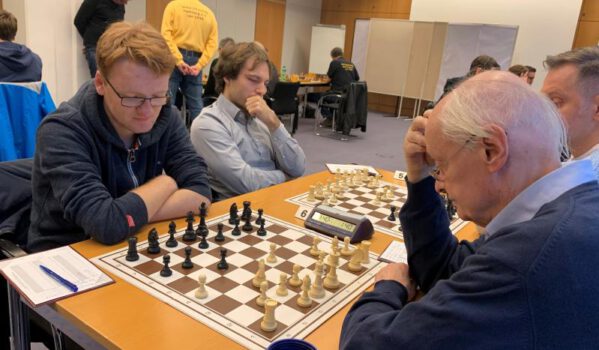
point(341, 72)
point(492, 145)
point(520, 71)
point(478, 65)
point(117, 155)
point(210, 88)
point(242, 140)
point(532, 72)
point(17, 62)
point(572, 83)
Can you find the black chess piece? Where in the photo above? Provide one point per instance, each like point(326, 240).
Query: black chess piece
point(153, 245)
point(223, 264)
point(187, 264)
point(233, 214)
point(236, 231)
point(203, 242)
point(166, 271)
point(171, 242)
point(189, 235)
point(247, 226)
point(260, 212)
point(202, 228)
point(219, 234)
point(132, 251)
point(247, 211)
point(262, 230)
point(391, 216)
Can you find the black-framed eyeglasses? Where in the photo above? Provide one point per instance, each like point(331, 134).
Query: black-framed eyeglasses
point(133, 102)
point(437, 173)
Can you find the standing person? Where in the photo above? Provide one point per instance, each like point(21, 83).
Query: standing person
point(92, 19)
point(243, 141)
point(341, 72)
point(116, 156)
point(17, 62)
point(191, 33)
point(210, 89)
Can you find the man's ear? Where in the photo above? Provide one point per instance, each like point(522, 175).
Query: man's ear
point(596, 107)
point(495, 147)
point(99, 83)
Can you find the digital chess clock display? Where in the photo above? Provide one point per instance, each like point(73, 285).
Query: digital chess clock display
point(334, 222)
point(329, 220)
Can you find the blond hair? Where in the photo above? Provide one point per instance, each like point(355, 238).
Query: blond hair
point(137, 42)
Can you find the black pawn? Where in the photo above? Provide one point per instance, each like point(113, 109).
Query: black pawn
point(166, 271)
point(223, 264)
point(189, 235)
point(219, 235)
point(259, 219)
point(247, 211)
point(187, 264)
point(153, 245)
point(132, 251)
point(171, 242)
point(247, 227)
point(203, 243)
point(233, 213)
point(236, 231)
point(262, 230)
point(391, 216)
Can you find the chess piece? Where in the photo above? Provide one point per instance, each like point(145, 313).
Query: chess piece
point(223, 264)
point(259, 219)
point(132, 254)
point(247, 211)
point(260, 274)
point(166, 270)
point(202, 228)
point(321, 256)
point(187, 264)
point(365, 247)
point(311, 197)
point(377, 199)
point(262, 230)
point(304, 299)
point(391, 216)
point(272, 258)
point(262, 297)
point(346, 250)
point(335, 244)
point(171, 242)
point(333, 198)
point(189, 235)
point(331, 281)
point(269, 323)
point(295, 281)
point(389, 194)
point(247, 227)
point(316, 290)
point(314, 251)
point(219, 234)
point(282, 288)
point(203, 242)
point(355, 263)
point(233, 214)
point(236, 231)
point(201, 292)
point(153, 245)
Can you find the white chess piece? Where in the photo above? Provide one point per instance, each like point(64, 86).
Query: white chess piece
point(201, 292)
point(311, 197)
point(269, 322)
point(365, 247)
point(346, 250)
point(355, 263)
point(260, 274)
point(295, 281)
point(261, 299)
point(335, 244)
point(282, 288)
point(272, 258)
point(304, 299)
point(314, 251)
point(317, 291)
point(331, 281)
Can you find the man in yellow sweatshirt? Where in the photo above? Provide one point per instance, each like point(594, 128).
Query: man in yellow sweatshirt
point(191, 33)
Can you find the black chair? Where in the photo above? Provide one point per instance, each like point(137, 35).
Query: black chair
point(284, 101)
point(350, 109)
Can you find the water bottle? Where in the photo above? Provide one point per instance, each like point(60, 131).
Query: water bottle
point(283, 76)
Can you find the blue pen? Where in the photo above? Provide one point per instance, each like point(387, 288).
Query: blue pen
point(71, 286)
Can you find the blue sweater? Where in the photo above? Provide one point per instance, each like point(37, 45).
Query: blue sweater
point(82, 173)
point(531, 285)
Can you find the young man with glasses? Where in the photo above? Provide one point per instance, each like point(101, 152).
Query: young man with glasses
point(117, 155)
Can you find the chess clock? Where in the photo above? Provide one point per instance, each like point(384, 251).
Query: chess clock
point(334, 222)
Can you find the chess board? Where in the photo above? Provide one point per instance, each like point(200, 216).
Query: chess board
point(230, 307)
point(359, 200)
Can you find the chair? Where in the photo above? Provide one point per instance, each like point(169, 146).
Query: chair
point(25, 104)
point(284, 101)
point(350, 109)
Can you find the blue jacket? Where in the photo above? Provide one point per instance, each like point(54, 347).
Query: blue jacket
point(531, 285)
point(83, 174)
point(18, 63)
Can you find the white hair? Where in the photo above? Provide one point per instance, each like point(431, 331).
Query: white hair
point(480, 102)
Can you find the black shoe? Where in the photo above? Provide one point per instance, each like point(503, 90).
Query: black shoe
point(327, 123)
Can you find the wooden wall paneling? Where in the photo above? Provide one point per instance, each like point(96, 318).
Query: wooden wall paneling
point(154, 11)
point(270, 25)
point(589, 10)
point(587, 34)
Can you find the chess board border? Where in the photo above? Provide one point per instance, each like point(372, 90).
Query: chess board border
point(221, 324)
point(301, 201)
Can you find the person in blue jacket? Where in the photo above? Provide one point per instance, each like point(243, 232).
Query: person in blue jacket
point(117, 155)
point(17, 62)
point(529, 282)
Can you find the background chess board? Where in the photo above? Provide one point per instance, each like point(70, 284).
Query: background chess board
point(358, 200)
point(230, 308)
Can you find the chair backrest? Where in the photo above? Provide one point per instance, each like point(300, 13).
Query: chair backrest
point(15, 199)
point(284, 97)
point(355, 108)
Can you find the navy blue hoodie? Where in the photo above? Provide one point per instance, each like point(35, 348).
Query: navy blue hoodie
point(18, 63)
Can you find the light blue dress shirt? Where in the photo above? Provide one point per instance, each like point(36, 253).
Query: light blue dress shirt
point(241, 153)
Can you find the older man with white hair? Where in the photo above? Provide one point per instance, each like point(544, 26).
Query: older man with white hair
point(493, 145)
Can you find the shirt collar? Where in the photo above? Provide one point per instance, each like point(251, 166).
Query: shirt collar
point(528, 202)
point(231, 110)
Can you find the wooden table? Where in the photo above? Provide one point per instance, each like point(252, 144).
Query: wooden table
point(121, 316)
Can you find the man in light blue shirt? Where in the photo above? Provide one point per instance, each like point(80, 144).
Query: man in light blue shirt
point(241, 139)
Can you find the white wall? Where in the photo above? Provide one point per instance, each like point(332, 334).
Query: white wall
point(300, 16)
point(545, 26)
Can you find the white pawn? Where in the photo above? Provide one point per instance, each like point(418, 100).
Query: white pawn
point(355, 263)
point(295, 281)
point(331, 281)
point(316, 291)
point(321, 256)
point(311, 197)
point(304, 299)
point(333, 198)
point(260, 274)
point(314, 251)
point(282, 289)
point(365, 247)
point(377, 199)
point(201, 292)
point(390, 196)
point(269, 322)
point(335, 244)
point(272, 258)
point(346, 250)
point(261, 299)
